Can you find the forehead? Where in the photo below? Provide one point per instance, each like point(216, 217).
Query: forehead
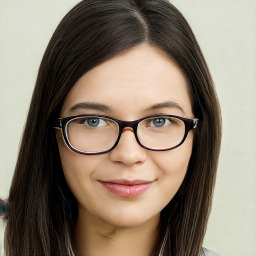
point(132, 82)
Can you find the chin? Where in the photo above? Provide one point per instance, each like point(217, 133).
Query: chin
point(130, 221)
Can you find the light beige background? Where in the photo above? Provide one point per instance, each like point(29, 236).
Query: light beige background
point(226, 31)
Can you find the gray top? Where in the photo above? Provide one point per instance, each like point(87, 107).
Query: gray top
point(206, 252)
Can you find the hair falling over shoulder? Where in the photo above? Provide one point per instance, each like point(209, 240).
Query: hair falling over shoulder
point(91, 33)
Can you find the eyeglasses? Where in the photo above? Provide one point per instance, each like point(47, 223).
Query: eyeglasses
point(97, 134)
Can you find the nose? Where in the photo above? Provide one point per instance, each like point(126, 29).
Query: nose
point(128, 151)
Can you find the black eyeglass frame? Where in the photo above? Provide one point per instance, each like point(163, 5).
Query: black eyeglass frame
point(61, 123)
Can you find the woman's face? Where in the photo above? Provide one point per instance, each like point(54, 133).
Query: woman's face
point(132, 85)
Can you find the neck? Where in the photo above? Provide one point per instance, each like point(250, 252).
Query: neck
point(93, 237)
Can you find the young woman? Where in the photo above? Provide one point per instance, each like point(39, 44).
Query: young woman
point(121, 144)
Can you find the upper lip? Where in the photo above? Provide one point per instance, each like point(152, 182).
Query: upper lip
point(128, 182)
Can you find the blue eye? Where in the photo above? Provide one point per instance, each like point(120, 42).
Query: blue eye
point(94, 122)
point(159, 122)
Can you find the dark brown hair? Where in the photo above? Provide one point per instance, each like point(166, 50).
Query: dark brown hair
point(43, 207)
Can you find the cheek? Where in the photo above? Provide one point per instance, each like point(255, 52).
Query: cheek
point(77, 168)
point(173, 166)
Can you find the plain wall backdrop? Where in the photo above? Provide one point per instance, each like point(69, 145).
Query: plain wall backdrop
point(226, 32)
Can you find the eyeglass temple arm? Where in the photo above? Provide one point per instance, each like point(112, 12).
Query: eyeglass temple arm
point(57, 123)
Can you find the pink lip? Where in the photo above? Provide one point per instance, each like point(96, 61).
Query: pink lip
point(127, 188)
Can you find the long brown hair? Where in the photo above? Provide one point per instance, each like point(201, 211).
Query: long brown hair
point(43, 209)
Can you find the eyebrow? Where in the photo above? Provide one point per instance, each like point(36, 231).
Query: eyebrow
point(91, 105)
point(167, 104)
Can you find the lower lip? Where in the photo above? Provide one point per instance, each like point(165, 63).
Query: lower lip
point(126, 190)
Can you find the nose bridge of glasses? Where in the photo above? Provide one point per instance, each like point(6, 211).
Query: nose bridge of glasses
point(127, 129)
point(128, 125)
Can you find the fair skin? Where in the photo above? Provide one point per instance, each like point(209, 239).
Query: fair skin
point(129, 85)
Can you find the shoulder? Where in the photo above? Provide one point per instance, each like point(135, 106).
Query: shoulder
point(206, 252)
